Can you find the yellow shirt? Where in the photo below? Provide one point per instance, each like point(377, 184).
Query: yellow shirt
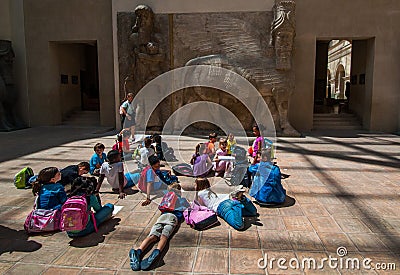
point(230, 144)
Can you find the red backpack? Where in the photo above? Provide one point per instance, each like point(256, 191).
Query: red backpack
point(75, 214)
point(142, 184)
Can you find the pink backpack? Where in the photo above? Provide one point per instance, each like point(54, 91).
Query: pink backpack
point(75, 214)
point(42, 220)
point(200, 217)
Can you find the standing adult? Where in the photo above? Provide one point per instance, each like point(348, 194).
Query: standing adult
point(128, 115)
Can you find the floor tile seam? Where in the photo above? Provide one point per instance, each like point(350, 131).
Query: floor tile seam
point(196, 252)
point(11, 267)
point(374, 234)
point(332, 217)
point(229, 249)
point(98, 247)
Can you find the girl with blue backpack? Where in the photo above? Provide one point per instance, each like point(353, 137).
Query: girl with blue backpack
point(231, 208)
point(85, 187)
point(266, 187)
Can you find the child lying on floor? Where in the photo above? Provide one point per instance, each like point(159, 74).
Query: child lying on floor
point(161, 232)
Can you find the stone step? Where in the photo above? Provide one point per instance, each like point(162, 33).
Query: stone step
point(83, 118)
point(342, 121)
point(338, 127)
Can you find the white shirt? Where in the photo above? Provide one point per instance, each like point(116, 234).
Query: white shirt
point(211, 200)
point(111, 173)
point(145, 153)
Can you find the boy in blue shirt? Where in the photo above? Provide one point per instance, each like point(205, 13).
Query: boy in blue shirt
point(97, 159)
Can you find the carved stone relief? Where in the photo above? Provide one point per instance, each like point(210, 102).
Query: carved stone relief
point(8, 96)
point(256, 45)
point(283, 33)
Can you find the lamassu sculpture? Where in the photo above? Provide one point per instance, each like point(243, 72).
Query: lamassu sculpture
point(8, 96)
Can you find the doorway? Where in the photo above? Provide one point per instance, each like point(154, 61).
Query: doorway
point(332, 76)
point(89, 84)
point(343, 83)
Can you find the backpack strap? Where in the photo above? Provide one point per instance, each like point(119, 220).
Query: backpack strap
point(94, 221)
point(36, 202)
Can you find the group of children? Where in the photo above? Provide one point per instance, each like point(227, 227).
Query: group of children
point(264, 183)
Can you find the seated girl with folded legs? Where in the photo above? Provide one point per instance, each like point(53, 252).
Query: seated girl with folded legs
point(51, 193)
point(86, 186)
point(267, 187)
point(231, 208)
point(201, 162)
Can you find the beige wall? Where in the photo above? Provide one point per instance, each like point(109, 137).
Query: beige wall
point(5, 21)
point(66, 21)
point(319, 20)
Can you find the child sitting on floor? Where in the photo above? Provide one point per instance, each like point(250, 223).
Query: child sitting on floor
point(51, 193)
point(210, 145)
point(86, 186)
point(231, 144)
point(221, 166)
point(267, 187)
point(201, 162)
point(113, 170)
point(97, 159)
point(145, 153)
point(161, 232)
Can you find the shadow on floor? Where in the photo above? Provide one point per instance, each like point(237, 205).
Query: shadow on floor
point(289, 201)
point(95, 238)
point(16, 240)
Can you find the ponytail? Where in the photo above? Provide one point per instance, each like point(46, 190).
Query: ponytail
point(45, 175)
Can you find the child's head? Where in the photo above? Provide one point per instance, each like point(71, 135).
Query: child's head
point(99, 148)
point(202, 184)
point(231, 137)
point(147, 142)
point(83, 185)
point(46, 175)
point(256, 130)
point(49, 174)
point(223, 143)
point(212, 137)
point(197, 150)
point(202, 148)
point(175, 187)
point(157, 138)
point(83, 168)
point(126, 134)
point(154, 162)
point(240, 154)
point(266, 154)
point(113, 156)
point(258, 157)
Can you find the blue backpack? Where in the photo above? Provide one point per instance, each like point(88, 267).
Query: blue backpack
point(267, 187)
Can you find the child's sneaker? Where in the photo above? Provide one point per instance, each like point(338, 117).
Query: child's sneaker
point(146, 263)
point(134, 260)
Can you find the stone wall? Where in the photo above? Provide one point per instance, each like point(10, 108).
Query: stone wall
point(242, 40)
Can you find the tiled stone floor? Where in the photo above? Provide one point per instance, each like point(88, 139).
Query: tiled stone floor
point(346, 193)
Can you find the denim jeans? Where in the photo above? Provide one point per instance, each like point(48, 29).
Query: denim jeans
point(102, 215)
point(232, 211)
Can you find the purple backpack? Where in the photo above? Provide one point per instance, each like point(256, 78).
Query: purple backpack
point(200, 217)
point(42, 220)
point(75, 214)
